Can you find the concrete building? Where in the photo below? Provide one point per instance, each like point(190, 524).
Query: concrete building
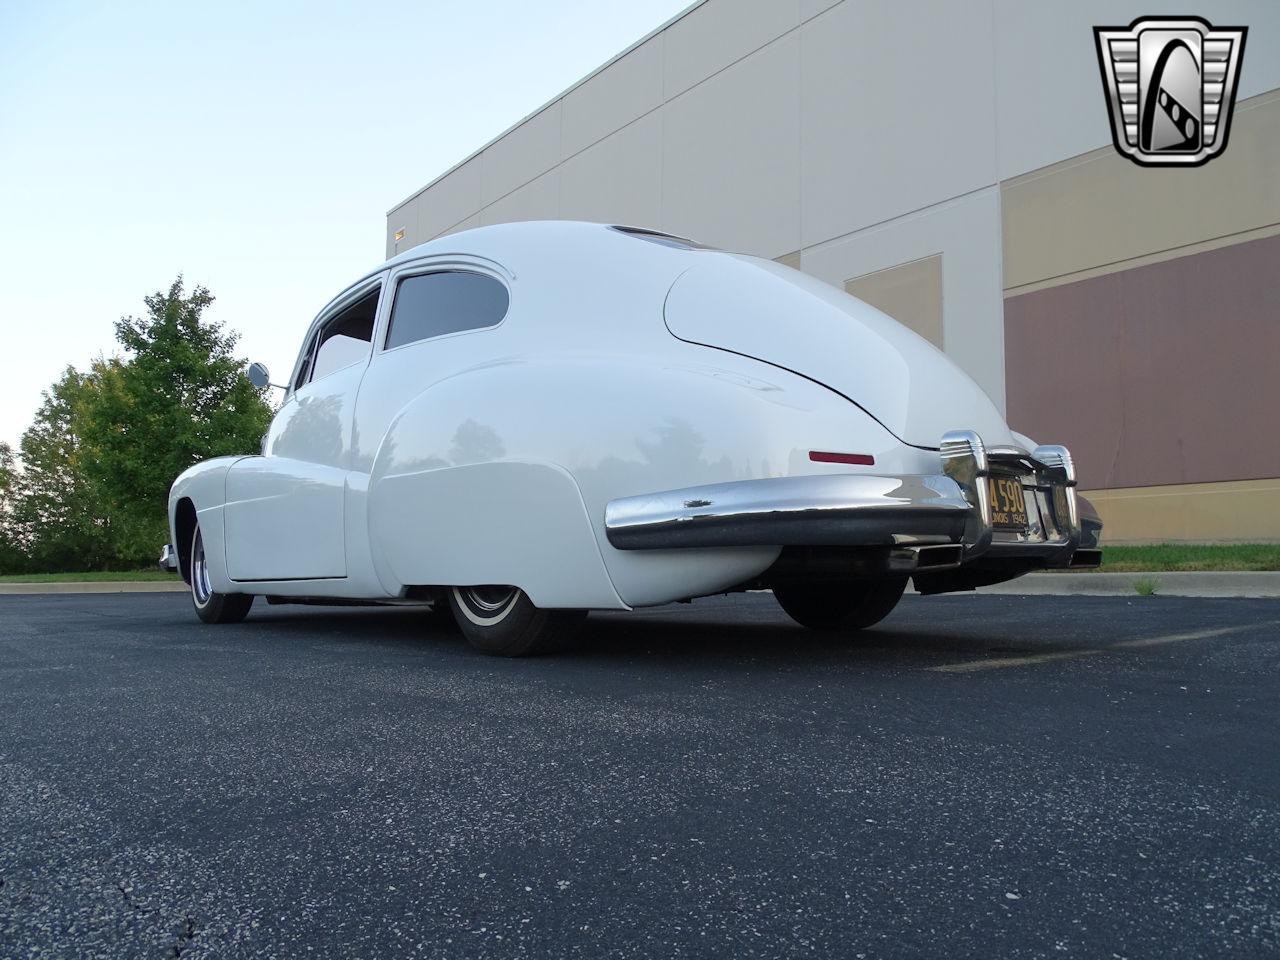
point(951, 163)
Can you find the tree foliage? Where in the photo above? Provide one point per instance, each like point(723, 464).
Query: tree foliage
point(10, 549)
point(56, 516)
point(97, 463)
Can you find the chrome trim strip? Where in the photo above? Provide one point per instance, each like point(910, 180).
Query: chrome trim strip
point(825, 510)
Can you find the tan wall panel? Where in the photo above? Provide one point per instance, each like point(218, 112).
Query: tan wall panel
point(719, 33)
point(910, 293)
point(450, 201)
point(629, 88)
point(467, 224)
point(731, 175)
point(1247, 510)
point(811, 8)
point(894, 116)
point(539, 200)
point(1101, 209)
point(619, 179)
point(526, 152)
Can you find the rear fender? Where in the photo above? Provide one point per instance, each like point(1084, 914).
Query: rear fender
point(581, 431)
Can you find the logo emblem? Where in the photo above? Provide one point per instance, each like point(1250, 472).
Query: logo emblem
point(1171, 85)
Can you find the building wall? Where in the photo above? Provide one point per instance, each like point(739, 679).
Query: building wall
point(950, 162)
point(1168, 282)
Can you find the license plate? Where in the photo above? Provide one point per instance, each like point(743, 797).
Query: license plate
point(1008, 505)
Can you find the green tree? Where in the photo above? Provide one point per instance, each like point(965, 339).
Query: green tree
point(57, 518)
point(11, 554)
point(97, 462)
point(179, 396)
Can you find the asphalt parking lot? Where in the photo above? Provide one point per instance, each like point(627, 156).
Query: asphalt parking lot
point(978, 777)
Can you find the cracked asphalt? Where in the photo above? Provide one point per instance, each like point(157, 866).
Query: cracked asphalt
point(980, 776)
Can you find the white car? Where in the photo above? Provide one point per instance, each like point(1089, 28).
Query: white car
point(533, 420)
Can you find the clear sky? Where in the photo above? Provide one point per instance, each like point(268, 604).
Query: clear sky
point(252, 147)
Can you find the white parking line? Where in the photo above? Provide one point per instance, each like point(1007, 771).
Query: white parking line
point(971, 666)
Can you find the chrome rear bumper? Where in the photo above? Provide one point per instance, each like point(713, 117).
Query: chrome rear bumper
point(906, 514)
point(828, 510)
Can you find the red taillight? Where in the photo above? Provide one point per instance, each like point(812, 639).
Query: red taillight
point(858, 459)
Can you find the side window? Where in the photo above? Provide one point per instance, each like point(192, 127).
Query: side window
point(304, 368)
point(447, 301)
point(345, 339)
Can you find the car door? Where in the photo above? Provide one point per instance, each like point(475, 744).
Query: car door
point(285, 514)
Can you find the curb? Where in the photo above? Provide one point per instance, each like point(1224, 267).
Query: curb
point(1175, 584)
point(100, 586)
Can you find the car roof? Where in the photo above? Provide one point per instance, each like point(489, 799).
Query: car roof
point(481, 241)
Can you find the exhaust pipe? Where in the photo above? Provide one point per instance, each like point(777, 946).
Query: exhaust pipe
point(944, 556)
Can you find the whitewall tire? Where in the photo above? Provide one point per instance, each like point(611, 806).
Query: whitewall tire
point(502, 621)
point(211, 606)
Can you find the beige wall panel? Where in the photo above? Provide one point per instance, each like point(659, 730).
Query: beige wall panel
point(1245, 510)
point(811, 8)
point(467, 224)
point(966, 232)
point(718, 33)
point(1102, 209)
point(895, 117)
point(539, 200)
point(619, 180)
point(623, 91)
point(791, 260)
point(452, 199)
point(526, 152)
point(1049, 92)
point(731, 164)
point(910, 293)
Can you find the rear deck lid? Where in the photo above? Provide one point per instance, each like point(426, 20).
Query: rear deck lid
point(764, 310)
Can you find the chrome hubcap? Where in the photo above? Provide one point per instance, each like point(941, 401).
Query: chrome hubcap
point(201, 588)
point(489, 599)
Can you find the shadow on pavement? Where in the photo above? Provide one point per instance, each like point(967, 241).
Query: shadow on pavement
point(726, 632)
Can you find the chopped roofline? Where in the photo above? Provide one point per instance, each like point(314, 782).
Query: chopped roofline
point(406, 255)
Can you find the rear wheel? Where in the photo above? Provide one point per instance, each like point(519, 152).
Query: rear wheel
point(211, 606)
point(840, 604)
point(502, 621)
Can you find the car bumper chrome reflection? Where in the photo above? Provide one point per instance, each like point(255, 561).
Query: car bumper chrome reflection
point(928, 522)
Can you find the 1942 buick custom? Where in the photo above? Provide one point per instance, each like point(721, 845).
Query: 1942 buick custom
point(532, 420)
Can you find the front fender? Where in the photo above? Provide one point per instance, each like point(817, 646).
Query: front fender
point(205, 485)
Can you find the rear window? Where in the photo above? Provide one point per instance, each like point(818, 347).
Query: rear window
point(447, 301)
point(664, 239)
